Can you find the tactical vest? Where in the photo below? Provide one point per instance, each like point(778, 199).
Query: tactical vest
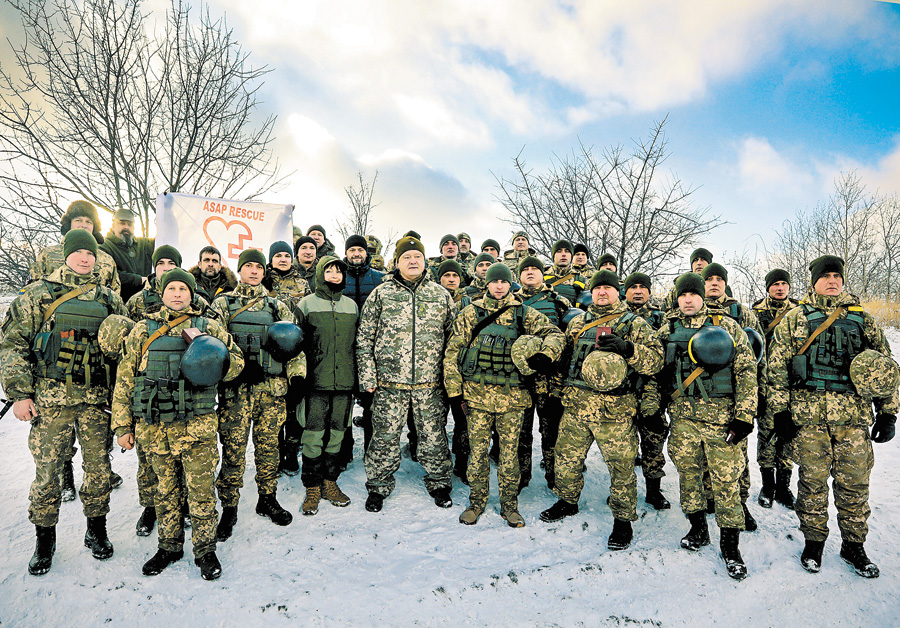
point(707, 385)
point(488, 358)
point(586, 343)
point(153, 302)
point(250, 332)
point(655, 318)
point(546, 304)
point(70, 352)
point(567, 290)
point(161, 394)
point(733, 311)
point(826, 363)
point(765, 316)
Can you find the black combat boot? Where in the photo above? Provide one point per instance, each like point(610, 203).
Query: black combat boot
point(96, 539)
point(374, 502)
point(226, 523)
point(811, 558)
point(855, 555)
point(749, 521)
point(268, 506)
point(289, 463)
point(44, 548)
point(621, 535)
point(560, 510)
point(734, 563)
point(441, 497)
point(68, 482)
point(767, 492)
point(783, 493)
point(654, 495)
point(160, 560)
point(146, 522)
point(698, 535)
point(210, 567)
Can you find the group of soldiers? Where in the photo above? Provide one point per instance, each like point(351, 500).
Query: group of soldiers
point(193, 361)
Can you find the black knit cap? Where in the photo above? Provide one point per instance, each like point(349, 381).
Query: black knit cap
point(702, 253)
point(251, 255)
point(581, 248)
point(690, 282)
point(561, 244)
point(279, 246)
point(301, 241)
point(604, 278)
point(607, 258)
point(449, 266)
point(637, 278)
point(775, 275)
point(166, 251)
point(449, 238)
point(491, 242)
point(498, 270)
point(318, 228)
point(715, 269)
point(826, 264)
point(531, 260)
point(78, 239)
point(356, 240)
point(177, 274)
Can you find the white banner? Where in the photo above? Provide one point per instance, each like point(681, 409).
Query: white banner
point(190, 223)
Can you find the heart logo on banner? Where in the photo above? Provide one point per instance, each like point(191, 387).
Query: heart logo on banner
point(233, 233)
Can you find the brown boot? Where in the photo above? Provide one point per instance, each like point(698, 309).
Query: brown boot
point(311, 502)
point(335, 495)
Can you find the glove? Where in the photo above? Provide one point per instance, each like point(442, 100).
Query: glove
point(883, 430)
point(459, 403)
point(761, 405)
point(738, 430)
point(785, 428)
point(655, 423)
point(540, 362)
point(614, 344)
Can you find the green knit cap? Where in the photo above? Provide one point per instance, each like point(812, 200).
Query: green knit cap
point(449, 266)
point(690, 282)
point(482, 257)
point(561, 244)
point(715, 269)
point(251, 255)
point(78, 239)
point(449, 238)
point(637, 278)
point(607, 258)
point(702, 253)
point(604, 278)
point(408, 243)
point(820, 266)
point(775, 275)
point(166, 251)
point(177, 274)
point(498, 271)
point(490, 242)
point(531, 260)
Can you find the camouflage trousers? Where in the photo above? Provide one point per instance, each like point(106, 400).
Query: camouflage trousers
point(197, 462)
point(389, 411)
point(325, 422)
point(147, 481)
point(845, 453)
point(694, 445)
point(48, 441)
point(617, 441)
point(768, 454)
point(743, 481)
point(653, 444)
point(549, 411)
point(267, 414)
point(508, 426)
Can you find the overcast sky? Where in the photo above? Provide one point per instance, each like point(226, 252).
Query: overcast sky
point(768, 100)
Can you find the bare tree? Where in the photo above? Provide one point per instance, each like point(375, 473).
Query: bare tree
point(359, 220)
point(613, 203)
point(101, 105)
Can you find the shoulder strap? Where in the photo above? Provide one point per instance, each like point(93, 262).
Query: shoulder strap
point(599, 321)
point(562, 279)
point(777, 319)
point(162, 330)
point(250, 304)
point(67, 297)
point(487, 320)
point(825, 325)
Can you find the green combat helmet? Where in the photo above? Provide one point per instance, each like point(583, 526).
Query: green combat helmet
point(205, 362)
point(712, 348)
point(523, 348)
point(111, 334)
point(604, 371)
point(284, 341)
point(874, 374)
point(756, 342)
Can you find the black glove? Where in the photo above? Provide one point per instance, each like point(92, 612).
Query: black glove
point(785, 428)
point(883, 430)
point(655, 423)
point(614, 344)
point(365, 398)
point(459, 403)
point(540, 362)
point(738, 430)
point(761, 405)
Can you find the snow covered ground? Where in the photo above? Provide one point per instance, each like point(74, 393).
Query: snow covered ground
point(413, 564)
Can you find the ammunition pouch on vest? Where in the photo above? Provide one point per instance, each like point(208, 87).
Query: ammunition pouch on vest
point(569, 290)
point(679, 363)
point(488, 358)
point(70, 351)
point(546, 304)
point(655, 318)
point(825, 366)
point(161, 393)
point(586, 343)
point(249, 330)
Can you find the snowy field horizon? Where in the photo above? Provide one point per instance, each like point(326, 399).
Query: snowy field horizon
point(413, 564)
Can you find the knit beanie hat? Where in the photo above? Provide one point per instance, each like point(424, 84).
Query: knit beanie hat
point(490, 242)
point(178, 274)
point(581, 248)
point(604, 278)
point(715, 269)
point(690, 282)
point(561, 244)
point(498, 271)
point(449, 238)
point(775, 275)
point(637, 278)
point(301, 241)
point(530, 261)
point(166, 251)
point(702, 253)
point(279, 246)
point(356, 240)
point(318, 228)
point(826, 264)
point(408, 243)
point(251, 255)
point(449, 266)
point(78, 239)
point(607, 258)
point(412, 234)
point(482, 257)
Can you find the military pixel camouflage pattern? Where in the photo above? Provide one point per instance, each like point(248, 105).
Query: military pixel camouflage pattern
point(653, 444)
point(138, 308)
point(112, 334)
point(523, 348)
point(52, 257)
point(289, 287)
point(874, 374)
point(508, 425)
point(604, 371)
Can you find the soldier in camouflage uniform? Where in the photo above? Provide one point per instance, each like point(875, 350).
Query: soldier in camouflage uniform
point(52, 369)
point(449, 251)
point(581, 260)
point(481, 378)
point(774, 460)
point(492, 248)
point(561, 277)
point(818, 404)
point(651, 421)
point(402, 332)
point(256, 397)
point(305, 259)
point(607, 414)
point(466, 255)
point(176, 422)
point(535, 293)
point(711, 411)
point(478, 285)
point(720, 304)
point(520, 250)
point(700, 258)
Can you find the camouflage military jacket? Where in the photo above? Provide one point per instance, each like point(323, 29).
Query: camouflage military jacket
point(296, 367)
point(650, 399)
point(289, 287)
point(811, 407)
point(137, 305)
point(51, 258)
point(647, 360)
point(768, 311)
point(435, 262)
point(716, 410)
point(308, 274)
point(573, 277)
point(493, 397)
point(24, 321)
point(403, 328)
point(542, 384)
point(652, 315)
point(177, 436)
point(512, 259)
point(465, 260)
point(724, 306)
